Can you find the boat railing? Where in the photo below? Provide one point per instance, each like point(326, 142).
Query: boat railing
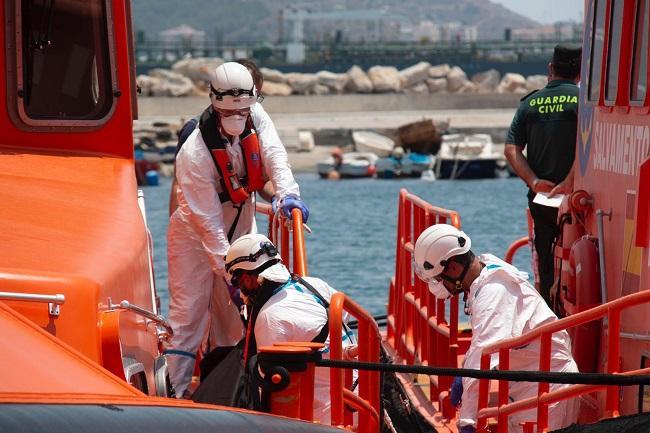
point(417, 324)
point(288, 236)
point(612, 310)
point(368, 400)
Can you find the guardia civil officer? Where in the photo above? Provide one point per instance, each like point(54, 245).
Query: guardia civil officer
point(501, 304)
point(546, 125)
point(220, 167)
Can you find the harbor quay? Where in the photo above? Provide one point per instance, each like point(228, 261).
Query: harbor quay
point(331, 118)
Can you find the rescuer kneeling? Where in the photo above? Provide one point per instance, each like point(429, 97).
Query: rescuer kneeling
point(282, 307)
point(501, 304)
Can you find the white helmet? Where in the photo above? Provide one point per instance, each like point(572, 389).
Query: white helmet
point(232, 87)
point(251, 252)
point(435, 246)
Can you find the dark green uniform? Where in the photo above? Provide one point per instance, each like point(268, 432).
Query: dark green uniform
point(546, 122)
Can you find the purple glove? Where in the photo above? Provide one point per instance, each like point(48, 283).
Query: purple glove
point(467, 429)
point(291, 202)
point(274, 204)
point(456, 393)
point(234, 295)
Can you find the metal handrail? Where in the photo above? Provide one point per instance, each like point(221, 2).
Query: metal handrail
point(53, 301)
point(368, 351)
point(613, 312)
point(157, 319)
point(280, 230)
point(417, 325)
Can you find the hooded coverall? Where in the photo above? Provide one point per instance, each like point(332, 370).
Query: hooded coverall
point(293, 313)
point(503, 305)
point(197, 243)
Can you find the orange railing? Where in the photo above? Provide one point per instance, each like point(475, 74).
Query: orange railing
point(288, 237)
point(417, 327)
point(612, 310)
point(368, 400)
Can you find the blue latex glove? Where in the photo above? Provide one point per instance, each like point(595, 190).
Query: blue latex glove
point(274, 204)
point(456, 393)
point(467, 429)
point(291, 202)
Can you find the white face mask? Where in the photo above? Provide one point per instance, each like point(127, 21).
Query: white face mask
point(438, 290)
point(234, 125)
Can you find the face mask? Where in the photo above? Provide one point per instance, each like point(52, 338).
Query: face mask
point(234, 125)
point(438, 290)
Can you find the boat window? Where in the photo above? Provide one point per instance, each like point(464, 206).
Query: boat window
point(64, 67)
point(614, 48)
point(597, 42)
point(640, 60)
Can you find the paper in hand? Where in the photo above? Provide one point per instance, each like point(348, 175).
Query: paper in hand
point(543, 199)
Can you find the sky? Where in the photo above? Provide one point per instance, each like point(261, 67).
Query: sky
point(546, 11)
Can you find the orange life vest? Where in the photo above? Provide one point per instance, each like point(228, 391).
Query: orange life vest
point(234, 189)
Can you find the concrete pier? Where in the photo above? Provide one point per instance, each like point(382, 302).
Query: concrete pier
point(383, 112)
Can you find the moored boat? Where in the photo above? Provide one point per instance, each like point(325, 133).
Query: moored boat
point(466, 156)
point(348, 165)
point(372, 142)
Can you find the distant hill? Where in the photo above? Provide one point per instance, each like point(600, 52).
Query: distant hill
point(257, 20)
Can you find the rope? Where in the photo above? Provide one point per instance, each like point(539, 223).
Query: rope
point(510, 375)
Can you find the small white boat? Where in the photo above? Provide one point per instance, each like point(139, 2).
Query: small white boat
point(353, 164)
point(466, 156)
point(368, 141)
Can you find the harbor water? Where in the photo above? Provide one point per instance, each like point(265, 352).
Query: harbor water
point(354, 223)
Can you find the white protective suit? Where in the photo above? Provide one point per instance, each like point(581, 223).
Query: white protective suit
point(198, 240)
point(293, 313)
point(503, 305)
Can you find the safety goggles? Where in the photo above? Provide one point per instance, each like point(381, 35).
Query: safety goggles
point(265, 248)
point(235, 93)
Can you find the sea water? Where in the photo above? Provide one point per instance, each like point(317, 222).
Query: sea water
point(354, 225)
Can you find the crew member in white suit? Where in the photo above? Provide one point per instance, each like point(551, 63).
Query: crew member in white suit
point(284, 308)
point(218, 170)
point(502, 304)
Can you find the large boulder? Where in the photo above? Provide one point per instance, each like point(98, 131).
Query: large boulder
point(334, 82)
point(419, 88)
point(456, 79)
point(439, 71)
point(273, 75)
point(512, 83)
point(415, 74)
point(172, 83)
point(468, 87)
point(320, 89)
point(437, 85)
point(300, 83)
point(199, 70)
point(359, 81)
point(271, 88)
point(534, 82)
point(487, 81)
point(385, 79)
point(147, 84)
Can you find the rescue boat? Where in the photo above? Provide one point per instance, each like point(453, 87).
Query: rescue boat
point(76, 275)
point(602, 254)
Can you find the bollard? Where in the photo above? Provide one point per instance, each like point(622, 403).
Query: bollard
point(289, 378)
